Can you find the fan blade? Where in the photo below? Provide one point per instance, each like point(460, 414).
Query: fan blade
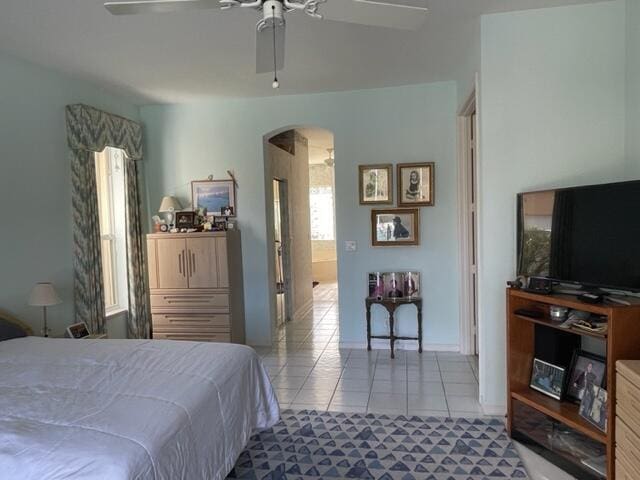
point(130, 7)
point(264, 49)
point(404, 14)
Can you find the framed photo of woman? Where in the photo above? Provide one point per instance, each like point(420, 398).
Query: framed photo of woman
point(416, 183)
point(376, 184)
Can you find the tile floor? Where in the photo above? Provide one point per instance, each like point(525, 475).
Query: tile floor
point(310, 371)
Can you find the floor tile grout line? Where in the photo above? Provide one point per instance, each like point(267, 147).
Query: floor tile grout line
point(446, 400)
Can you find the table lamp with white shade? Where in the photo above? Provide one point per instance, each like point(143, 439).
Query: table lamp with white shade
point(44, 295)
point(169, 205)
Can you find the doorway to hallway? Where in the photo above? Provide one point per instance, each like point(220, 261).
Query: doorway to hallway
point(301, 228)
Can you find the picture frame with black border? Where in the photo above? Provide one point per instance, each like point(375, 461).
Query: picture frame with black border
point(579, 374)
point(547, 379)
point(186, 219)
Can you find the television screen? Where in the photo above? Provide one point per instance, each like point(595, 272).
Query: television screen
point(586, 235)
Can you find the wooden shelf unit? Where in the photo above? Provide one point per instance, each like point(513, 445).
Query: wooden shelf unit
point(622, 341)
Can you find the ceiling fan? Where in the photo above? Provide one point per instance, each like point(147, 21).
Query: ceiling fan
point(270, 39)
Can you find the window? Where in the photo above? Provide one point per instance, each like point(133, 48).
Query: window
point(111, 208)
point(321, 203)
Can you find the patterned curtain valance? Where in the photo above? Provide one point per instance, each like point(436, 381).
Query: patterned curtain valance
point(91, 129)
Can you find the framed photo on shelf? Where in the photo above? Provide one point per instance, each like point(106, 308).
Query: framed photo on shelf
point(395, 227)
point(416, 184)
point(185, 219)
point(547, 378)
point(586, 370)
point(214, 195)
point(376, 184)
point(593, 406)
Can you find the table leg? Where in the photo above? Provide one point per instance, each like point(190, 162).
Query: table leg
point(368, 327)
point(392, 338)
point(419, 307)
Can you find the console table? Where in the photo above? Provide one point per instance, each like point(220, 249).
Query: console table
point(391, 305)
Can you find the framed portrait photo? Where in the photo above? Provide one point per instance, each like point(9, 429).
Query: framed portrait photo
point(376, 184)
point(593, 406)
point(547, 378)
point(214, 195)
point(185, 219)
point(395, 227)
point(416, 182)
point(586, 371)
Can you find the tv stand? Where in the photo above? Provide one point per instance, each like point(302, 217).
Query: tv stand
point(621, 341)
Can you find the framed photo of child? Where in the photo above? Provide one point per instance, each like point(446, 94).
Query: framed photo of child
point(416, 182)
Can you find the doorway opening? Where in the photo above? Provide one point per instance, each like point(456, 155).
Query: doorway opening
point(301, 229)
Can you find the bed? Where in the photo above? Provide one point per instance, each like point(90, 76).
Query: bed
point(128, 409)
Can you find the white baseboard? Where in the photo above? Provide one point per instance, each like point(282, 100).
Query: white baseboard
point(379, 344)
point(494, 410)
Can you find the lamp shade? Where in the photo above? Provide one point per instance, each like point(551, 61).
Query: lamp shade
point(169, 204)
point(44, 295)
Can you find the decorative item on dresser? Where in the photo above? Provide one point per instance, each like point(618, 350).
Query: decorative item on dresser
point(578, 438)
point(170, 205)
point(628, 420)
point(195, 281)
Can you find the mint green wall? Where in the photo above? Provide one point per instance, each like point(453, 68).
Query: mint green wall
point(35, 186)
point(633, 86)
point(393, 125)
point(552, 114)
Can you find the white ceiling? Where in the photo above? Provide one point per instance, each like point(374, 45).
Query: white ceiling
point(190, 55)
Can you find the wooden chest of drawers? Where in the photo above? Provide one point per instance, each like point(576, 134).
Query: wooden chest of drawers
point(628, 419)
point(196, 288)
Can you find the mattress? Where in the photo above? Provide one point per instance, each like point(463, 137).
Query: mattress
point(128, 409)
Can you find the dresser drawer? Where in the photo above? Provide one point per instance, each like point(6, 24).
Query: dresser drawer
point(194, 337)
point(191, 320)
point(628, 444)
point(628, 403)
point(622, 470)
point(217, 300)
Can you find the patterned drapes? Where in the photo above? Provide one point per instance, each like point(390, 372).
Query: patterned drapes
point(93, 130)
point(89, 131)
point(138, 325)
point(87, 258)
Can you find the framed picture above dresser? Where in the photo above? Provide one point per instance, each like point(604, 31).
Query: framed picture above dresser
point(195, 281)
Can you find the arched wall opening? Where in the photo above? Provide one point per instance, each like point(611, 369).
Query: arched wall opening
point(300, 227)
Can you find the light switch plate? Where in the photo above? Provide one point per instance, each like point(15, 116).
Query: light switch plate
point(350, 246)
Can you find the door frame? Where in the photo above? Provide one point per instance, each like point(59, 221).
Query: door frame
point(468, 333)
point(285, 232)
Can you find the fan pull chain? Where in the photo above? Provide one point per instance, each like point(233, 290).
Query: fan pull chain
point(276, 84)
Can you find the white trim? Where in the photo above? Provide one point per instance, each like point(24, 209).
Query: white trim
point(380, 344)
point(494, 410)
point(467, 343)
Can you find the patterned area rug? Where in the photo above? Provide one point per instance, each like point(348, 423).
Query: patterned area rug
point(314, 445)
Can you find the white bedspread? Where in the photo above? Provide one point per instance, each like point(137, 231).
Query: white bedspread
point(128, 409)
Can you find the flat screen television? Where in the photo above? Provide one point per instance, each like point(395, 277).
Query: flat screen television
point(582, 235)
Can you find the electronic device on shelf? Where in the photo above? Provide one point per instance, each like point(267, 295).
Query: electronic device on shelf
point(529, 313)
point(592, 298)
point(540, 285)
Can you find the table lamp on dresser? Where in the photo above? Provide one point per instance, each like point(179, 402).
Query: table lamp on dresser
point(44, 295)
point(170, 205)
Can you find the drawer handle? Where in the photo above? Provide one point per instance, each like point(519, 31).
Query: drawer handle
point(190, 297)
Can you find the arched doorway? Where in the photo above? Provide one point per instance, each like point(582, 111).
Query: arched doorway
point(301, 232)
